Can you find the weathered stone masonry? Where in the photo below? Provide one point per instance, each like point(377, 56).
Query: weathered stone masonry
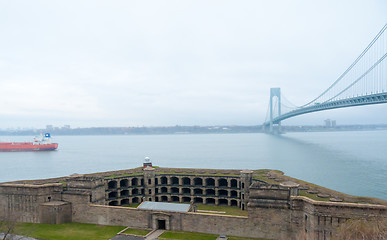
point(274, 211)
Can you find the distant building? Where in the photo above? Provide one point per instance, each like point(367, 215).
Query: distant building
point(329, 123)
point(66, 127)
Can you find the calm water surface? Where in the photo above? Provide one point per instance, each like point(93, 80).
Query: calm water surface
point(350, 162)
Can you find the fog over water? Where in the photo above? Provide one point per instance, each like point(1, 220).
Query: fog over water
point(350, 162)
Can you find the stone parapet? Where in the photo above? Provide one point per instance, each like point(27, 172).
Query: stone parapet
point(30, 189)
point(304, 203)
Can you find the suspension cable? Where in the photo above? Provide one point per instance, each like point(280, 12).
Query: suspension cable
point(363, 75)
point(352, 65)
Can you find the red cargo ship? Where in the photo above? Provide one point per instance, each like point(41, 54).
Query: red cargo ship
point(43, 143)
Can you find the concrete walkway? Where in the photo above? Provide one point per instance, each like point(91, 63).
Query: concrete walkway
point(154, 234)
point(127, 237)
point(16, 237)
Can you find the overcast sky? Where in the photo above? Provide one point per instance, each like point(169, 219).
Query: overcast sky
point(153, 63)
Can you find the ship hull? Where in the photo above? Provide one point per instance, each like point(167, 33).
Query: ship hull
point(27, 147)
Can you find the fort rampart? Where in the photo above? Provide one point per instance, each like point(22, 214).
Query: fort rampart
point(275, 211)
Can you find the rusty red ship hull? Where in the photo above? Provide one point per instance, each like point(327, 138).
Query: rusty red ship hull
point(26, 146)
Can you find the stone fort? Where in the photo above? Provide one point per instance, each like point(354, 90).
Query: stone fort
point(276, 210)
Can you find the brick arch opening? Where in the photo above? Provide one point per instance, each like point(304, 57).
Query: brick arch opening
point(234, 203)
point(174, 181)
point(234, 183)
point(124, 202)
point(112, 184)
point(223, 193)
point(164, 198)
point(113, 203)
point(210, 192)
point(198, 191)
point(210, 201)
point(113, 195)
point(124, 193)
point(186, 199)
point(186, 181)
point(210, 182)
point(175, 190)
point(186, 191)
point(134, 191)
point(198, 182)
point(234, 194)
point(198, 200)
point(175, 199)
point(222, 182)
point(134, 181)
point(124, 183)
point(223, 202)
point(135, 200)
point(163, 180)
point(164, 190)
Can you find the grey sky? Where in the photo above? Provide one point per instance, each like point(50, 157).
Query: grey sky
point(134, 63)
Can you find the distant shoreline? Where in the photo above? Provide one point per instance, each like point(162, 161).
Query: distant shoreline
point(186, 130)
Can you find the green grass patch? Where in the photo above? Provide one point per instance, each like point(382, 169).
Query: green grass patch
point(139, 232)
point(199, 236)
point(262, 175)
point(124, 175)
point(74, 231)
point(265, 179)
point(188, 235)
point(279, 172)
point(233, 211)
point(312, 196)
point(132, 205)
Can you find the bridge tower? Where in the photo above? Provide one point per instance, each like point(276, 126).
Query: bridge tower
point(275, 92)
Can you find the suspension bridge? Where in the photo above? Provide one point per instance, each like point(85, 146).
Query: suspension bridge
point(363, 83)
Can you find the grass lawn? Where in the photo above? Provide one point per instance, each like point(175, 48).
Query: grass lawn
point(139, 232)
point(131, 205)
point(187, 235)
point(74, 231)
point(84, 231)
point(235, 211)
point(198, 236)
point(312, 196)
point(123, 175)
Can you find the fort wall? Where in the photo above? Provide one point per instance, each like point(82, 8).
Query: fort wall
point(320, 219)
point(274, 211)
point(194, 222)
point(23, 200)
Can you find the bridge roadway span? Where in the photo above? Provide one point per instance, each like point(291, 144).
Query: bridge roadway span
point(342, 103)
